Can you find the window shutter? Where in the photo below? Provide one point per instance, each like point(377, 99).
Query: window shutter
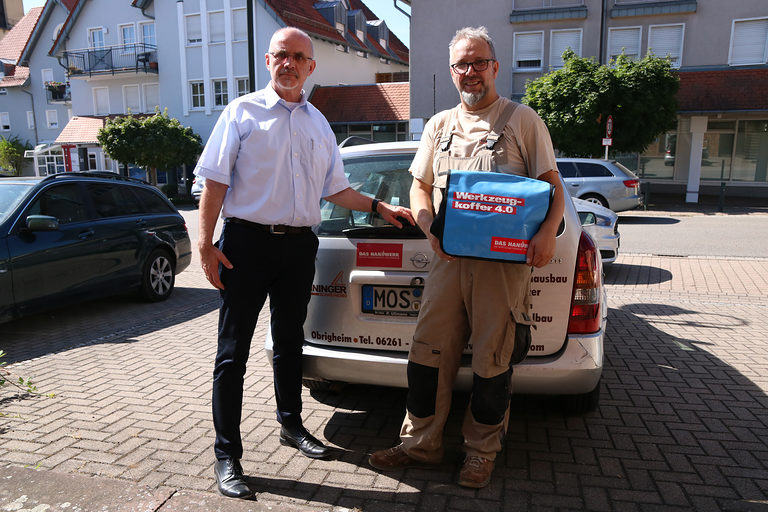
point(216, 27)
point(194, 30)
point(749, 42)
point(667, 40)
point(562, 40)
point(627, 39)
point(528, 50)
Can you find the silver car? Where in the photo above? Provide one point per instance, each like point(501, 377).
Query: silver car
point(198, 183)
point(604, 182)
point(602, 225)
point(370, 276)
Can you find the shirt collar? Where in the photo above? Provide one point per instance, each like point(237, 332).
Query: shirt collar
point(272, 98)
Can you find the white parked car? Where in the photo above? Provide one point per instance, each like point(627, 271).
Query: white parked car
point(602, 225)
point(197, 189)
point(370, 276)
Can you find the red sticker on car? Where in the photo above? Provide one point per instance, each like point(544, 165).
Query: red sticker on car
point(380, 255)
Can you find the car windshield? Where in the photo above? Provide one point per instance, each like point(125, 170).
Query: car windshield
point(384, 177)
point(11, 194)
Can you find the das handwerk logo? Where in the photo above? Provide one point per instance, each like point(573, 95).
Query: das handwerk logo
point(337, 288)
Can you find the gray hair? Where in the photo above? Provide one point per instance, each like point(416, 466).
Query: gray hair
point(476, 33)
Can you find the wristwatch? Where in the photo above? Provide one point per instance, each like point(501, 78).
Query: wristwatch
point(375, 204)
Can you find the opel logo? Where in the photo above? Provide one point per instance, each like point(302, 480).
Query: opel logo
point(420, 260)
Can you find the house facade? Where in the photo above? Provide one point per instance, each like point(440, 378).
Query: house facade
point(721, 55)
point(189, 57)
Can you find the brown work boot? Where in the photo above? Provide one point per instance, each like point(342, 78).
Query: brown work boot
point(393, 458)
point(476, 472)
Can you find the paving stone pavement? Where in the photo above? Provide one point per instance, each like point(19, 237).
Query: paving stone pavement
point(682, 424)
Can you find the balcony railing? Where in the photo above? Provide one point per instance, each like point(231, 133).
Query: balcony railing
point(57, 92)
point(112, 59)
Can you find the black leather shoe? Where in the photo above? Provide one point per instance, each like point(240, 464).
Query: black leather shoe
point(299, 438)
point(230, 479)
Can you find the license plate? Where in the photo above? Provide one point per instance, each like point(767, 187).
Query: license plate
point(392, 300)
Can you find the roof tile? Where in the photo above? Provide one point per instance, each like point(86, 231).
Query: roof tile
point(14, 42)
point(363, 103)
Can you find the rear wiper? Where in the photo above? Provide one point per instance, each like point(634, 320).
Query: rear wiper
point(386, 231)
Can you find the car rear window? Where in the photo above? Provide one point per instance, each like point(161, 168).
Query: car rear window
point(113, 200)
point(152, 202)
point(588, 170)
point(384, 177)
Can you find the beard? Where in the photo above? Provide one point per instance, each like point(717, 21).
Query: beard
point(473, 98)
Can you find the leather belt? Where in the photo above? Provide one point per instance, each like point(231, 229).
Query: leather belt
point(275, 229)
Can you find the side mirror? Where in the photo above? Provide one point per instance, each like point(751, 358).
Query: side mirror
point(42, 223)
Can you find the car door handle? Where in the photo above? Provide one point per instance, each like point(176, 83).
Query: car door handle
point(86, 234)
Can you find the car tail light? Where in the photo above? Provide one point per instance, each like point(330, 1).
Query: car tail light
point(631, 183)
point(585, 304)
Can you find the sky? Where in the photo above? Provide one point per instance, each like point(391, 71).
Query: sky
point(385, 9)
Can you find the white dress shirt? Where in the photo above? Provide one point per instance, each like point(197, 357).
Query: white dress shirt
point(278, 159)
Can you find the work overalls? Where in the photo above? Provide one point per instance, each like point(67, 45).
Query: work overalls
point(466, 300)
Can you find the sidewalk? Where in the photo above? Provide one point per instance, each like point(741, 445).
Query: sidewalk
point(662, 204)
point(681, 425)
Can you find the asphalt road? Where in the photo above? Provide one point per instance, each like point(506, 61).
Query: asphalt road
point(742, 236)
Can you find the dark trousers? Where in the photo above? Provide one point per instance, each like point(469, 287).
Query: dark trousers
point(281, 266)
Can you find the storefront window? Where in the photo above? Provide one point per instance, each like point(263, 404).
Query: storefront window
point(716, 153)
point(658, 160)
point(750, 159)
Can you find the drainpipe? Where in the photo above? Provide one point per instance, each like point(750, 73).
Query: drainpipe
point(394, 2)
point(602, 31)
point(34, 119)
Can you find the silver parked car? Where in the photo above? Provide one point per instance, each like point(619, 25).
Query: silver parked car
point(604, 182)
point(602, 225)
point(197, 189)
point(370, 276)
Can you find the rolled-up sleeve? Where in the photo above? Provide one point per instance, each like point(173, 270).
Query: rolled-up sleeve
point(220, 152)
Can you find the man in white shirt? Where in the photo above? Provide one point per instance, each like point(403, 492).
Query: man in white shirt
point(270, 159)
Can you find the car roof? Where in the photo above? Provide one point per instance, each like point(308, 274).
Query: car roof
point(21, 180)
point(409, 146)
point(592, 160)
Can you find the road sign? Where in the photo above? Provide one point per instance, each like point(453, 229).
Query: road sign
point(607, 141)
point(608, 128)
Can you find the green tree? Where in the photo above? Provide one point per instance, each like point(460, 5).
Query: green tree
point(576, 100)
point(155, 142)
point(12, 154)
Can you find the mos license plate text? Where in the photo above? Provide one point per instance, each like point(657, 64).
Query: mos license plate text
point(391, 300)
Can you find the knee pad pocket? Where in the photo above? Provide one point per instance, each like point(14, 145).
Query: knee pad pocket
point(423, 371)
point(490, 398)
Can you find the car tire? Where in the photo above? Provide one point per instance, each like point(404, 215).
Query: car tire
point(158, 276)
point(585, 402)
point(595, 199)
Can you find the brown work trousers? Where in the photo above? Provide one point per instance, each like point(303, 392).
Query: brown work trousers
point(465, 301)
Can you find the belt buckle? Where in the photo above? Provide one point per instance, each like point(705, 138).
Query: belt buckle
point(274, 231)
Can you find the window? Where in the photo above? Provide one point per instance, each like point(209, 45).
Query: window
point(112, 200)
point(47, 75)
point(243, 86)
point(216, 27)
point(5, 121)
point(528, 50)
point(220, 94)
point(151, 97)
point(30, 119)
point(65, 202)
point(194, 30)
point(197, 90)
point(152, 202)
point(666, 41)
point(127, 34)
point(96, 37)
point(52, 119)
point(239, 25)
point(589, 170)
point(3, 91)
point(100, 100)
point(749, 42)
point(148, 34)
point(92, 161)
point(626, 40)
point(131, 99)
point(561, 40)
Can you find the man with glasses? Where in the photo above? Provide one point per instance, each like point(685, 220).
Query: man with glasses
point(483, 303)
point(270, 159)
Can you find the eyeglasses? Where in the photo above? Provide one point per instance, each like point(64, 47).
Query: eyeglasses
point(282, 56)
point(478, 66)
